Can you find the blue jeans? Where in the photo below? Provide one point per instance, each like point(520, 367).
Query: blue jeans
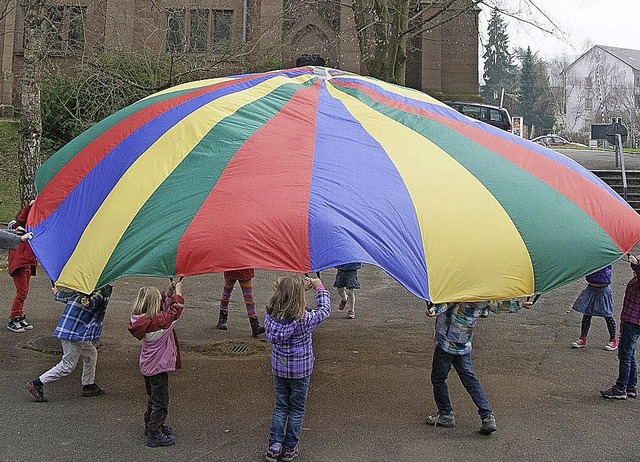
point(628, 368)
point(442, 362)
point(288, 414)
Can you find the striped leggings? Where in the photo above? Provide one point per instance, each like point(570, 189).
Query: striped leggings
point(247, 294)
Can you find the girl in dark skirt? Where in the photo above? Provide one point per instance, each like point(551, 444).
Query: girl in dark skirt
point(596, 300)
point(346, 281)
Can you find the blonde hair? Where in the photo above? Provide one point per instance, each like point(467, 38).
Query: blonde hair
point(148, 302)
point(288, 301)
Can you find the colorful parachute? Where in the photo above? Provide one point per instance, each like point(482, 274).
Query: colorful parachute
point(304, 169)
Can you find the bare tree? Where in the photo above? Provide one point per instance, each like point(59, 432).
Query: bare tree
point(31, 122)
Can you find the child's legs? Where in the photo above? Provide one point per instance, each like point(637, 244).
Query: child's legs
point(89, 360)
point(297, 402)
point(585, 326)
point(348, 296)
point(226, 294)
point(280, 410)
point(626, 354)
point(342, 293)
point(351, 300)
point(440, 368)
point(147, 414)
point(70, 356)
point(611, 327)
point(158, 390)
point(247, 294)
point(21, 278)
point(464, 368)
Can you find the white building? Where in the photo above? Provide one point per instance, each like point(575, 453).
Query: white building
point(602, 83)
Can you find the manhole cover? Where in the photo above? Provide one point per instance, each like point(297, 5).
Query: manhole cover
point(239, 349)
point(49, 345)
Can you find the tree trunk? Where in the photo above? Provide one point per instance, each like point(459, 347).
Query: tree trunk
point(31, 120)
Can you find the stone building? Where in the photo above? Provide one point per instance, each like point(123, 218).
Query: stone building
point(442, 62)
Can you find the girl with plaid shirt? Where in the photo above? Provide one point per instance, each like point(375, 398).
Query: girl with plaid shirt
point(288, 325)
point(79, 329)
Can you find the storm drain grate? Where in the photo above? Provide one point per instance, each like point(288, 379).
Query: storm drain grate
point(239, 349)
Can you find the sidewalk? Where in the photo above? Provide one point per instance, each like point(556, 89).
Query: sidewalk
point(370, 391)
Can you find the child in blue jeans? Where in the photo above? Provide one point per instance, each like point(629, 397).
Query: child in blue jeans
point(288, 325)
point(626, 385)
point(454, 333)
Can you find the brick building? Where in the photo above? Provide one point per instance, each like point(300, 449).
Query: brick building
point(442, 62)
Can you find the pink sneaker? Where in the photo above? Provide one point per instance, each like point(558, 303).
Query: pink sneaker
point(342, 304)
point(580, 343)
point(351, 314)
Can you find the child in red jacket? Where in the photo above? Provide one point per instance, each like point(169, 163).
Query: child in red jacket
point(153, 320)
point(22, 265)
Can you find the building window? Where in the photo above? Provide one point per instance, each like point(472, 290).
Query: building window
point(202, 29)
point(76, 27)
point(637, 101)
point(64, 28)
point(588, 82)
point(175, 30)
point(588, 103)
point(222, 27)
point(199, 30)
point(636, 81)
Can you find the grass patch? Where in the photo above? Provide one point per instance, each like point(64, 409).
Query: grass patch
point(9, 170)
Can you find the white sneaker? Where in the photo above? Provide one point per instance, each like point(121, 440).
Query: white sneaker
point(14, 326)
point(24, 324)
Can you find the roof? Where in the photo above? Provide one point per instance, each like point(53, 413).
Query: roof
point(628, 56)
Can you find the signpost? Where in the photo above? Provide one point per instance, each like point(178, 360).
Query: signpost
point(516, 124)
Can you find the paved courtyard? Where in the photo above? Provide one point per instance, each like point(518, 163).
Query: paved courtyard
point(369, 395)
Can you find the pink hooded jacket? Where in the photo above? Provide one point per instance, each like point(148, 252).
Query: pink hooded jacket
point(160, 350)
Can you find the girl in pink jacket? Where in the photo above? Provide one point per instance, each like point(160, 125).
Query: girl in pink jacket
point(153, 320)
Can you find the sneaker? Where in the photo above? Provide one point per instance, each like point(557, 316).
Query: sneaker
point(612, 345)
point(632, 392)
point(484, 313)
point(441, 420)
point(488, 425)
point(351, 314)
point(288, 456)
point(92, 390)
point(342, 304)
point(36, 392)
point(15, 326)
point(161, 439)
point(273, 452)
point(23, 322)
point(580, 343)
point(614, 393)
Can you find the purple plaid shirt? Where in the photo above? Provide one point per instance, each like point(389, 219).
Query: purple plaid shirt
point(291, 349)
point(631, 303)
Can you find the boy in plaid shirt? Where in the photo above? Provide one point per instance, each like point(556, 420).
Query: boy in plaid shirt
point(626, 385)
point(79, 329)
point(454, 333)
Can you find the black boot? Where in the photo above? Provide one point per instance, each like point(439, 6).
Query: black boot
point(256, 328)
point(222, 320)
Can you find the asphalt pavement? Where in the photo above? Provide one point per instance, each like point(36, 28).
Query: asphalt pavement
point(369, 395)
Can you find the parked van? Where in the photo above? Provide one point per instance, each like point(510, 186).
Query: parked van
point(493, 115)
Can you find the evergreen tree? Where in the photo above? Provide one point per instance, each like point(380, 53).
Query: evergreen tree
point(499, 69)
point(536, 101)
